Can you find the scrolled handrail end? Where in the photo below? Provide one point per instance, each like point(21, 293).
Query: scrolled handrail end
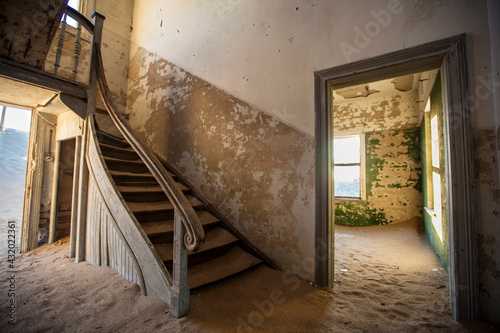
point(192, 244)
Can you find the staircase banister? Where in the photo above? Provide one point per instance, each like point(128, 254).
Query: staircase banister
point(195, 236)
point(77, 16)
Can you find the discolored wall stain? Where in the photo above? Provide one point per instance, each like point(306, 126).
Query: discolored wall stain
point(258, 171)
point(486, 152)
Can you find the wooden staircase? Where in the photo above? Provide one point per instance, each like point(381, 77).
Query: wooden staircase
point(221, 256)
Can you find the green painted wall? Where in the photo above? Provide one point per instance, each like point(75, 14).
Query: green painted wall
point(393, 181)
point(440, 246)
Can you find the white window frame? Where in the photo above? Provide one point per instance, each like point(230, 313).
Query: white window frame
point(362, 165)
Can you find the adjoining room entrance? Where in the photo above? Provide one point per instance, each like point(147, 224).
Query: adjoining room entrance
point(447, 55)
point(384, 132)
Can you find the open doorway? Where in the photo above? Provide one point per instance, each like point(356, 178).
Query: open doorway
point(389, 174)
point(14, 138)
point(65, 188)
point(449, 55)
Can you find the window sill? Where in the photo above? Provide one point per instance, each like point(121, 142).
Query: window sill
point(339, 199)
point(430, 211)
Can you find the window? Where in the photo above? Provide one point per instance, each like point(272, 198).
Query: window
point(348, 170)
point(75, 4)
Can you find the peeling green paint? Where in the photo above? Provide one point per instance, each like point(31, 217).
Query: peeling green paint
point(359, 214)
point(393, 171)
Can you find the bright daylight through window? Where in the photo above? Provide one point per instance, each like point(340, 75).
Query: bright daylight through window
point(75, 4)
point(347, 167)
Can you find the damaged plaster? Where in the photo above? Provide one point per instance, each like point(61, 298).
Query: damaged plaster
point(392, 152)
point(258, 171)
point(487, 147)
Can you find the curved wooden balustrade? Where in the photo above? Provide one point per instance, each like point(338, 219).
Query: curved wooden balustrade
point(195, 235)
point(114, 236)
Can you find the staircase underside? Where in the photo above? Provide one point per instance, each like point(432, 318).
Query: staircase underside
point(221, 256)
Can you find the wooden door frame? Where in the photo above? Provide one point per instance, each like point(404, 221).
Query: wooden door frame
point(448, 54)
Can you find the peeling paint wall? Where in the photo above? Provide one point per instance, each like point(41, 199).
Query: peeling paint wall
point(487, 144)
point(258, 171)
point(392, 153)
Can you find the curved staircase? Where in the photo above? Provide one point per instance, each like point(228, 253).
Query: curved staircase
point(219, 258)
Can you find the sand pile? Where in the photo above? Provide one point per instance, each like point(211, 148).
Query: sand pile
point(387, 280)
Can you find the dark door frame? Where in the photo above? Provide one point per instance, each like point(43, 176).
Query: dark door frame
point(449, 55)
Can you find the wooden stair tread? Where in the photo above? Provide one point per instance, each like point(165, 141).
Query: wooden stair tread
point(146, 189)
point(231, 263)
point(124, 149)
point(134, 174)
point(112, 136)
point(159, 205)
point(160, 227)
point(137, 161)
point(214, 238)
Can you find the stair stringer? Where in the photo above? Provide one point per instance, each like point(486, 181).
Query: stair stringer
point(157, 281)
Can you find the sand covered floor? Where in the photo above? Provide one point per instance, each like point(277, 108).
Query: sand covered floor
point(387, 280)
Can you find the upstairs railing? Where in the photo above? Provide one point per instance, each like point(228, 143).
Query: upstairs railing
point(69, 55)
point(188, 231)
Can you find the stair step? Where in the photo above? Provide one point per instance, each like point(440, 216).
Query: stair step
point(147, 189)
point(116, 164)
point(229, 264)
point(162, 231)
point(112, 140)
point(146, 193)
point(139, 207)
point(119, 153)
point(217, 242)
point(158, 211)
point(124, 178)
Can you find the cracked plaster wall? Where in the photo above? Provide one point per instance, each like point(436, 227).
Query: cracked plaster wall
point(392, 152)
point(258, 171)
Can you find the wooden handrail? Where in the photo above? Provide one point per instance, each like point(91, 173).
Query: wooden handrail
point(77, 16)
point(195, 236)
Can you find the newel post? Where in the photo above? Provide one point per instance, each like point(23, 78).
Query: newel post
point(98, 21)
point(179, 303)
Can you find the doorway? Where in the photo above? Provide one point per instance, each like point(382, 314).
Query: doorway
point(65, 188)
point(14, 138)
point(448, 54)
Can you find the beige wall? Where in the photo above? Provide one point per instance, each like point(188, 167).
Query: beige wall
point(264, 54)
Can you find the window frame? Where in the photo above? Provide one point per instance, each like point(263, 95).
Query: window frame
point(362, 166)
